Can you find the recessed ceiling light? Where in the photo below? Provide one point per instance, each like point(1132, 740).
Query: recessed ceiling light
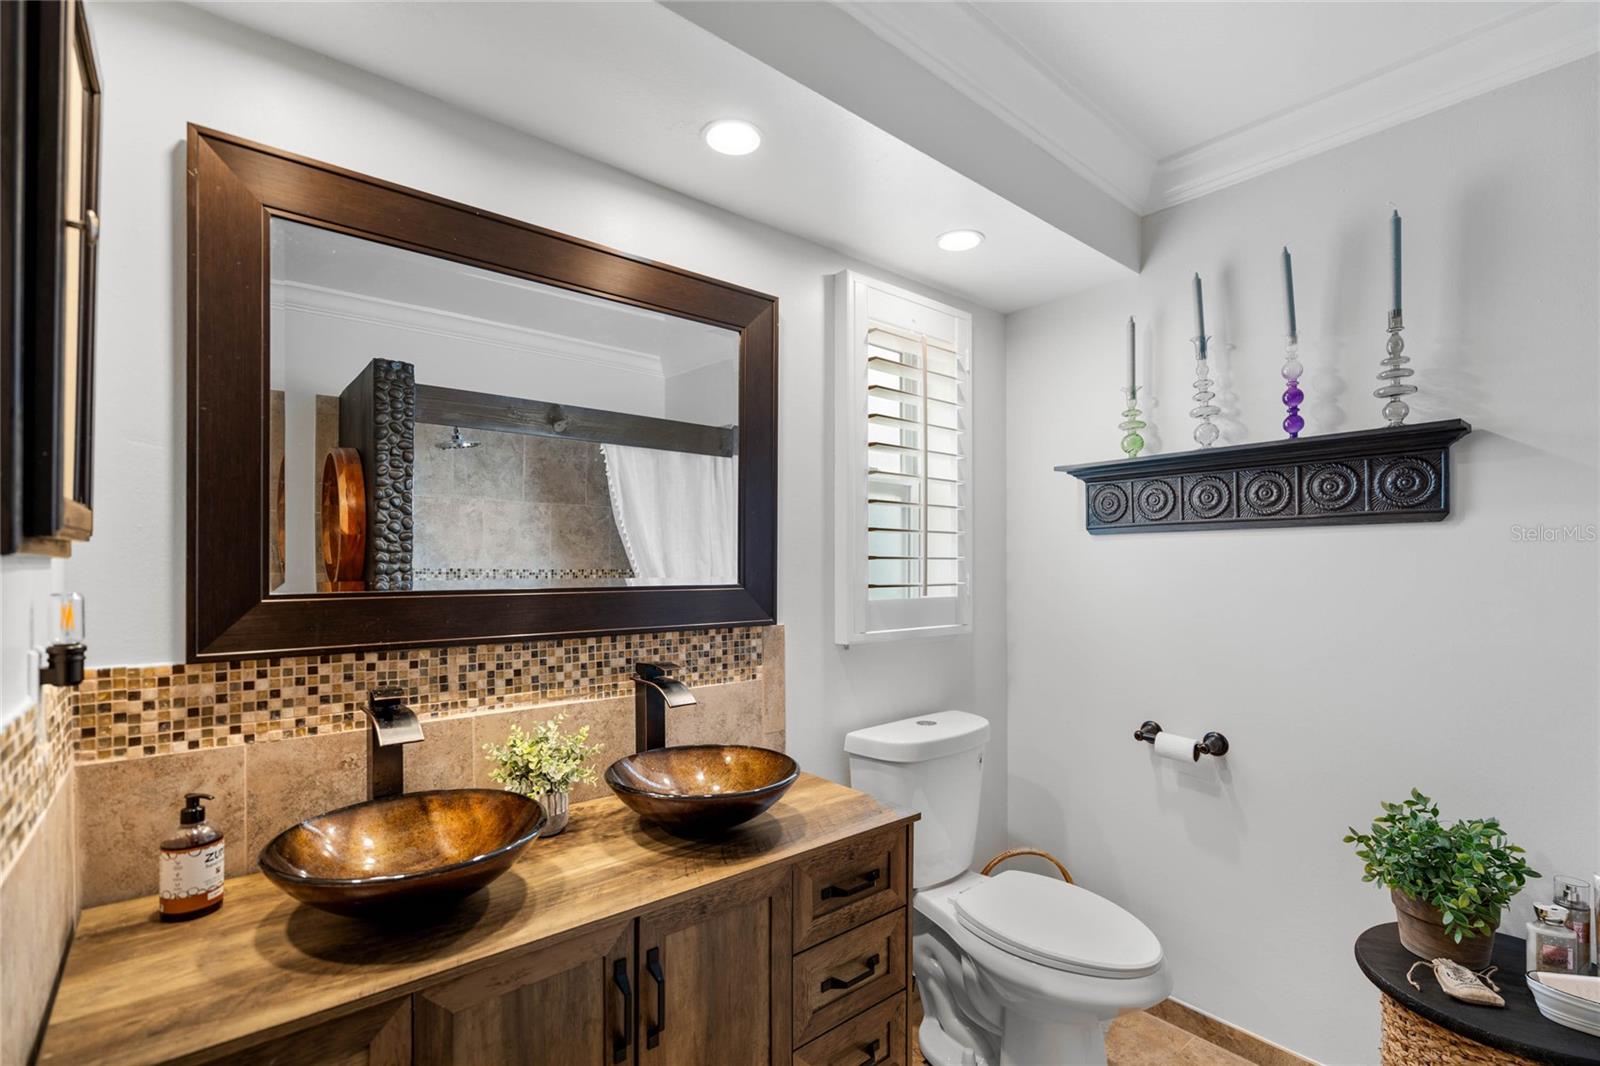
point(732, 136)
point(960, 240)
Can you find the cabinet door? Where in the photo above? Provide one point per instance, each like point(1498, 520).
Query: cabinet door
point(714, 978)
point(568, 1004)
point(374, 1036)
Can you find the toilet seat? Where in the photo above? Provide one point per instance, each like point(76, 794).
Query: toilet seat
point(1058, 925)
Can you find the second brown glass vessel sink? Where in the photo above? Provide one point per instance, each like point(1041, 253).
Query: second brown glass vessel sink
point(412, 849)
point(701, 789)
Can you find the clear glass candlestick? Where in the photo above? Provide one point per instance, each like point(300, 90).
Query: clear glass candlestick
point(1293, 397)
point(1132, 442)
point(1205, 433)
point(1394, 374)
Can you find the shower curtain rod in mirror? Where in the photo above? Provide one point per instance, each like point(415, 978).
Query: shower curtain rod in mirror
point(440, 406)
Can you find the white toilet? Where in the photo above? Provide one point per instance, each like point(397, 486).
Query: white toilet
point(1016, 969)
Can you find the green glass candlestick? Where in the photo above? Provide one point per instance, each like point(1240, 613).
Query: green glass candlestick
point(1132, 442)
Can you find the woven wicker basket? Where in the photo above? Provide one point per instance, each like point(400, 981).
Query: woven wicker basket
point(1409, 1039)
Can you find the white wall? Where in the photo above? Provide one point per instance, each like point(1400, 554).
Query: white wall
point(170, 65)
point(1345, 665)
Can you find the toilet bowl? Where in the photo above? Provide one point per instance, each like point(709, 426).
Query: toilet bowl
point(1016, 969)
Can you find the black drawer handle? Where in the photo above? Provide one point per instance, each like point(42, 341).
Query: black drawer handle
point(652, 965)
point(619, 1047)
point(840, 982)
point(864, 882)
point(872, 1054)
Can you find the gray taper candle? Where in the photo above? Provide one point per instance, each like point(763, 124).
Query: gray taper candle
point(1130, 352)
point(1288, 294)
point(1394, 243)
point(1199, 316)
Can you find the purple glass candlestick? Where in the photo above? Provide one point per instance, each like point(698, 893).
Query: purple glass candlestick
point(1292, 396)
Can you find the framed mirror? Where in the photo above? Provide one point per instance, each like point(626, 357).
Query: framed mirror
point(412, 422)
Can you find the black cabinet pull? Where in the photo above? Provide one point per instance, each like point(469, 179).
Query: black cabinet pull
point(872, 1054)
point(619, 1047)
point(864, 882)
point(840, 982)
point(652, 965)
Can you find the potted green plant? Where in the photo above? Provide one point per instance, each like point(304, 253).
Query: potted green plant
point(545, 765)
point(1449, 883)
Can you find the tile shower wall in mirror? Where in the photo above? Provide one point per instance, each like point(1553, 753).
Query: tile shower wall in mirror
point(439, 426)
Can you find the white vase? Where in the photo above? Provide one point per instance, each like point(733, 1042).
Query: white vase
point(555, 806)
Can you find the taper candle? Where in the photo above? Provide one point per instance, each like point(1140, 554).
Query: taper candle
point(1394, 244)
point(1288, 294)
point(1199, 316)
point(1130, 351)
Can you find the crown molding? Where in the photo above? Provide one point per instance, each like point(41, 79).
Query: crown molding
point(967, 50)
point(431, 321)
point(961, 44)
point(1524, 44)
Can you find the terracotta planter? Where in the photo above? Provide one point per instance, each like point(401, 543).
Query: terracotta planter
point(1422, 933)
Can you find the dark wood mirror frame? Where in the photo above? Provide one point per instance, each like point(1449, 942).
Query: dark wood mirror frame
point(235, 188)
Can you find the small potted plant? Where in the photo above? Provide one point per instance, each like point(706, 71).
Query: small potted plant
point(545, 765)
point(1449, 883)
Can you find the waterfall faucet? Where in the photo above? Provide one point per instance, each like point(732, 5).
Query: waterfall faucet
point(391, 725)
point(653, 692)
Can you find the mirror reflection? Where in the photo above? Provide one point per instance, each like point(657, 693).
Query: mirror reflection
point(439, 426)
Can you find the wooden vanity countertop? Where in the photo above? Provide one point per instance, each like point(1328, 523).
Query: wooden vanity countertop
point(136, 990)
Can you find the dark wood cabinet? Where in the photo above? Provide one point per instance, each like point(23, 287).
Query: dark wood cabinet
point(375, 1036)
point(610, 945)
point(562, 1005)
point(714, 977)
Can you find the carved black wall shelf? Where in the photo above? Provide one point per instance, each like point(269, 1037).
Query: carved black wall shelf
point(1373, 475)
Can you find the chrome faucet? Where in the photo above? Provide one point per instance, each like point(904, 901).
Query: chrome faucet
point(653, 693)
point(390, 726)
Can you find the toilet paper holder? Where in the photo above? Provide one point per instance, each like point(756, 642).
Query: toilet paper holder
point(1210, 744)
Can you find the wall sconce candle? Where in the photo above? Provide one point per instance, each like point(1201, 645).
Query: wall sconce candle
point(64, 666)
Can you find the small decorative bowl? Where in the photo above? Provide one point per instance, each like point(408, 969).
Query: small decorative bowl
point(1568, 999)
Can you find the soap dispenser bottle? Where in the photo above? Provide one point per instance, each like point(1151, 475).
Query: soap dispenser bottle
point(191, 864)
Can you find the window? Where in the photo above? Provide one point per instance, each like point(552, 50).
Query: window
point(903, 464)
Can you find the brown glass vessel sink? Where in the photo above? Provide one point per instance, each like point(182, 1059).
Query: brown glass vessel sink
point(420, 848)
point(701, 789)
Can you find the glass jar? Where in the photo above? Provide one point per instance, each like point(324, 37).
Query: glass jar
point(1573, 894)
point(1552, 947)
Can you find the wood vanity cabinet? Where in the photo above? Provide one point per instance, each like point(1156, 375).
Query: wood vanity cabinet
point(788, 945)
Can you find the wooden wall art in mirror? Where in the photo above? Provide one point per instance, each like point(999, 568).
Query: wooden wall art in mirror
point(413, 422)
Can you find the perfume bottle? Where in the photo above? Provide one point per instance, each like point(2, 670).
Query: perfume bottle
point(1552, 947)
point(1573, 894)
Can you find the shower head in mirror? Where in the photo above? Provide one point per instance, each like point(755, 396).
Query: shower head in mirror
point(456, 441)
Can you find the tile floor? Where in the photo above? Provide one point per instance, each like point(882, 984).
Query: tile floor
point(1138, 1039)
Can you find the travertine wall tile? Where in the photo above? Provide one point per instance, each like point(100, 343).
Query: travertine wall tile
point(292, 780)
point(38, 909)
point(127, 807)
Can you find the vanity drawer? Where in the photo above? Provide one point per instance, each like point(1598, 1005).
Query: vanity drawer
point(847, 885)
point(837, 980)
point(876, 1037)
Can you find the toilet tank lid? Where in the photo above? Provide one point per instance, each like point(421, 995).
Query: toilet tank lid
point(918, 739)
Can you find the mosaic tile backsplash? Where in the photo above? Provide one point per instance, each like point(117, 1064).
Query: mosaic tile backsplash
point(132, 712)
point(30, 771)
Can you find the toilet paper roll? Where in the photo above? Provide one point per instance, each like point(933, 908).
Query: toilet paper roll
point(1173, 746)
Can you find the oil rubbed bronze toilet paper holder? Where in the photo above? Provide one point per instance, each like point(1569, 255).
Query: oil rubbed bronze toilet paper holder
point(1210, 744)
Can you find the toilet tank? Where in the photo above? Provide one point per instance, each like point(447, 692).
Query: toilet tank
point(933, 764)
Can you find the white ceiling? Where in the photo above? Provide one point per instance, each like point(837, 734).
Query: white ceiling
point(1161, 102)
point(1052, 127)
point(633, 84)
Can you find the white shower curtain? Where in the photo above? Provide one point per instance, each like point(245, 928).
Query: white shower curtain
point(677, 513)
